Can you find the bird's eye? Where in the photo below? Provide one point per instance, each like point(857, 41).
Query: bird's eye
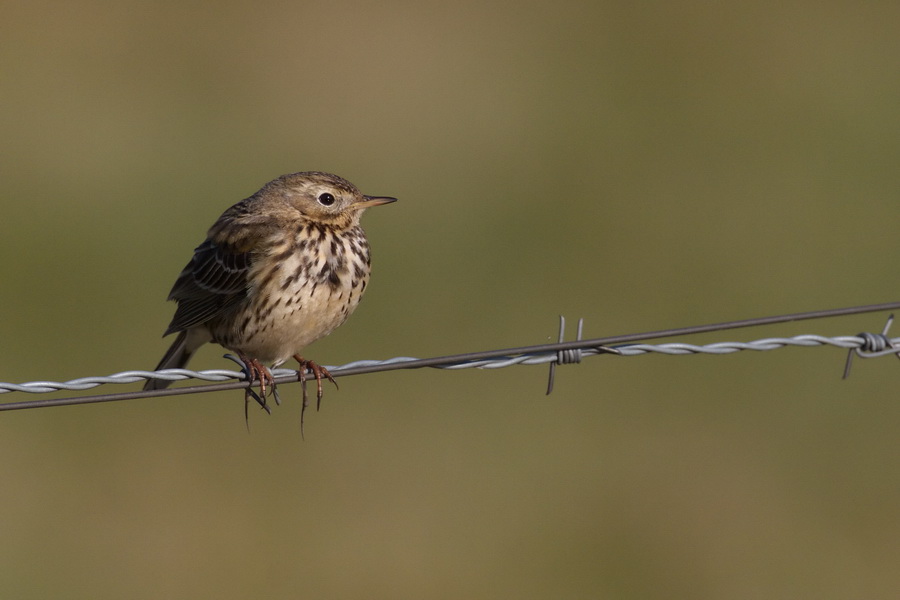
point(326, 199)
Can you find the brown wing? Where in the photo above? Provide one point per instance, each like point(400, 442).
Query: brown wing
point(212, 283)
point(216, 278)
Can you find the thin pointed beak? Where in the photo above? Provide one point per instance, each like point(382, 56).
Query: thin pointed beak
point(370, 201)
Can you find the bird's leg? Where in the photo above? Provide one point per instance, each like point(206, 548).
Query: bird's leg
point(318, 372)
point(301, 375)
point(249, 393)
point(250, 375)
point(255, 370)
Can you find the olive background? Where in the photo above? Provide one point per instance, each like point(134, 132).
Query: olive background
point(641, 165)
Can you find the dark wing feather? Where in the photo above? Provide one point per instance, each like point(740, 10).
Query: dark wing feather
point(212, 283)
point(217, 269)
point(217, 278)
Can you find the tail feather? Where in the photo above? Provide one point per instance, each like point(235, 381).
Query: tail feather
point(176, 357)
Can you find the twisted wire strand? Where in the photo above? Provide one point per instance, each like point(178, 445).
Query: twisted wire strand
point(399, 362)
point(864, 345)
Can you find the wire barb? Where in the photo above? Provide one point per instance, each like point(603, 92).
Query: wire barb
point(872, 345)
point(569, 356)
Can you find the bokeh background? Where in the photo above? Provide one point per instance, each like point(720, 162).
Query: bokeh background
point(642, 165)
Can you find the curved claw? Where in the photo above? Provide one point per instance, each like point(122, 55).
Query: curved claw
point(318, 372)
point(253, 371)
point(259, 372)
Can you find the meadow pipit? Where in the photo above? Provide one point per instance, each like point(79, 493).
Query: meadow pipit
point(277, 271)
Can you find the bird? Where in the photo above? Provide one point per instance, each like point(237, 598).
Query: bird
point(277, 271)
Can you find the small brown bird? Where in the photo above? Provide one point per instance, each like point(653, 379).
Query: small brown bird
point(277, 271)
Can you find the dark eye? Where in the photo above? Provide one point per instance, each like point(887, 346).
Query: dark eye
point(326, 199)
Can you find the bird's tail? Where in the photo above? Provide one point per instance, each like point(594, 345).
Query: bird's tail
point(176, 357)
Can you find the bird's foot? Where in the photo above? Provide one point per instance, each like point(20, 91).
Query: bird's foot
point(318, 372)
point(256, 371)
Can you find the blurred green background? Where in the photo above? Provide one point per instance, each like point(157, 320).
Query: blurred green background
point(643, 165)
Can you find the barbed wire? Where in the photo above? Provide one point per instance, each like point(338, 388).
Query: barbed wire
point(401, 362)
point(865, 345)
